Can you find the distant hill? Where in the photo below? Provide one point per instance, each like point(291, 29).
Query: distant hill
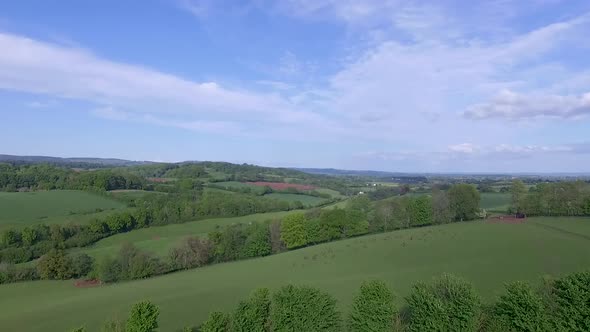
point(343, 172)
point(72, 162)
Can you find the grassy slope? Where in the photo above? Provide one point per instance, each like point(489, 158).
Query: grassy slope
point(161, 239)
point(307, 200)
point(486, 254)
point(59, 206)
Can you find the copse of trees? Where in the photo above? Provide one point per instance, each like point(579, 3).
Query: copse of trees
point(446, 303)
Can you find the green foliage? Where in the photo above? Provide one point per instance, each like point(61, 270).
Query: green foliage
point(79, 329)
point(143, 317)
point(520, 309)
point(517, 192)
point(217, 322)
point(300, 308)
point(252, 315)
point(464, 201)
point(55, 265)
point(193, 252)
point(420, 211)
point(293, 231)
point(571, 296)
point(108, 269)
point(446, 304)
point(373, 309)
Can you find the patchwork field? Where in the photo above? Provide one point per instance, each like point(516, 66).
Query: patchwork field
point(486, 254)
point(50, 207)
point(160, 240)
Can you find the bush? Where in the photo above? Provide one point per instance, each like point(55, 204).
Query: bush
point(304, 309)
point(253, 314)
point(373, 309)
point(81, 264)
point(143, 317)
point(520, 309)
point(446, 304)
point(217, 322)
point(108, 269)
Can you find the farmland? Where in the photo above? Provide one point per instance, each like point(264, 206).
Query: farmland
point(49, 207)
point(495, 202)
point(486, 254)
point(307, 200)
point(160, 240)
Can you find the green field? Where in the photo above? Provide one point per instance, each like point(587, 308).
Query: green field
point(495, 202)
point(160, 240)
point(486, 254)
point(240, 185)
point(51, 207)
point(307, 200)
point(129, 194)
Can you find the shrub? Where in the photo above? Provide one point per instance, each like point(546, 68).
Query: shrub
point(217, 322)
point(520, 309)
point(304, 309)
point(81, 264)
point(373, 309)
point(253, 314)
point(108, 269)
point(143, 317)
point(446, 304)
point(293, 231)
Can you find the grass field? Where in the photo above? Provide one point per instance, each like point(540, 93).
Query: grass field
point(307, 200)
point(240, 185)
point(50, 207)
point(495, 202)
point(129, 194)
point(486, 254)
point(160, 240)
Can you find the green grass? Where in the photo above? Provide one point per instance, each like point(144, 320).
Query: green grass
point(160, 240)
point(51, 207)
point(486, 254)
point(495, 202)
point(129, 194)
point(330, 192)
point(307, 200)
point(240, 185)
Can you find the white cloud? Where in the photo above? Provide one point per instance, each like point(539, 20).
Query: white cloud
point(464, 148)
point(511, 105)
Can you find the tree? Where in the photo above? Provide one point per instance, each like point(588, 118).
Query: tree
point(420, 209)
point(300, 308)
point(571, 295)
point(55, 265)
point(446, 304)
point(143, 317)
point(293, 231)
point(441, 210)
point(29, 236)
point(81, 264)
point(193, 252)
point(520, 309)
point(108, 269)
point(11, 238)
point(518, 193)
point(464, 202)
point(276, 244)
point(373, 309)
point(217, 322)
point(252, 315)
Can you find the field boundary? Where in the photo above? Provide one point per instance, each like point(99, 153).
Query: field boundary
point(561, 230)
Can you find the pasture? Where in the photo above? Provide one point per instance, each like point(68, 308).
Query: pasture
point(307, 200)
point(51, 207)
point(486, 254)
point(160, 240)
point(495, 202)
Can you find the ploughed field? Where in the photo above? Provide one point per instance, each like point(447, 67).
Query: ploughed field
point(487, 254)
point(22, 209)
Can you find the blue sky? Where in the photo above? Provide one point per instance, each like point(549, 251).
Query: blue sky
point(435, 86)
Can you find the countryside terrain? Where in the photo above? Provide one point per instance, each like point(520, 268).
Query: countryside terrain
point(64, 230)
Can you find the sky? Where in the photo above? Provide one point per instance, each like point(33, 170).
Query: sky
point(411, 86)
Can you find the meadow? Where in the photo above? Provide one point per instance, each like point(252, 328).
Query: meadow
point(487, 254)
point(160, 240)
point(495, 202)
point(307, 200)
point(50, 207)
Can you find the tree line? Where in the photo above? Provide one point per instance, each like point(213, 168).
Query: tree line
point(22, 245)
point(568, 198)
point(446, 303)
